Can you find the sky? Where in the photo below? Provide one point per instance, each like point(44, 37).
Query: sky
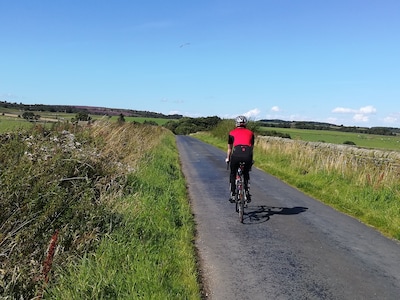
point(335, 61)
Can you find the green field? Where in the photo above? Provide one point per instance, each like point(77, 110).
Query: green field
point(337, 137)
point(8, 124)
point(11, 120)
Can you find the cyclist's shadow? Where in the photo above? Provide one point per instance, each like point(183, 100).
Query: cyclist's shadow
point(262, 213)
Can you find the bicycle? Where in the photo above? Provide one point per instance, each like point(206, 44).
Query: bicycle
point(240, 195)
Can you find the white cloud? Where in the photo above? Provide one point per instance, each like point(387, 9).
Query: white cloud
point(343, 110)
point(391, 119)
point(251, 114)
point(275, 108)
point(174, 112)
point(368, 109)
point(360, 118)
point(360, 115)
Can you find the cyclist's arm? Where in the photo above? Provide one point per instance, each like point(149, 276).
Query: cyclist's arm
point(229, 152)
point(230, 147)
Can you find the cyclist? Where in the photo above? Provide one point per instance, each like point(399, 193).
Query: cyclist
point(240, 149)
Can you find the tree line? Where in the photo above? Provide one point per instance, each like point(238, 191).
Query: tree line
point(326, 126)
point(74, 109)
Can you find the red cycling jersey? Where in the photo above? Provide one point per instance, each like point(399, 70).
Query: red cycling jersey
point(241, 136)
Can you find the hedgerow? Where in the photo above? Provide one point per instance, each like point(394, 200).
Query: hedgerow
point(60, 184)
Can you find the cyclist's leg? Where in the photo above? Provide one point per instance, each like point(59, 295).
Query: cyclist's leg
point(246, 171)
point(246, 180)
point(246, 175)
point(234, 164)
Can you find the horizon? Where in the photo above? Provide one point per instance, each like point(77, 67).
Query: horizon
point(131, 109)
point(333, 62)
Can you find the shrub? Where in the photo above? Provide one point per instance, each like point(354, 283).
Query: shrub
point(192, 125)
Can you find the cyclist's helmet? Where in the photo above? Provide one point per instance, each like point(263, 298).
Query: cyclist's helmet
point(241, 121)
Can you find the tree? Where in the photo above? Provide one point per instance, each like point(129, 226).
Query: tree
point(82, 116)
point(188, 125)
point(121, 118)
point(28, 115)
point(150, 122)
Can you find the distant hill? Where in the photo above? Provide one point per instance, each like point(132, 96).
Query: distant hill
point(126, 112)
point(276, 123)
point(94, 110)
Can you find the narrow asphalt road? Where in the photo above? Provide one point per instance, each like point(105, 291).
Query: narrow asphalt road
point(290, 246)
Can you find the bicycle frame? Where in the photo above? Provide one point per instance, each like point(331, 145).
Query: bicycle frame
point(241, 198)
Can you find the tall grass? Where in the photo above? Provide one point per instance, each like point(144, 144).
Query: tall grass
point(151, 256)
point(94, 187)
point(361, 183)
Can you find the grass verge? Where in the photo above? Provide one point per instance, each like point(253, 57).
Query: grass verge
point(111, 199)
point(151, 256)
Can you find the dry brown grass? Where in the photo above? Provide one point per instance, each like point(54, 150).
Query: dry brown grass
point(128, 142)
point(365, 167)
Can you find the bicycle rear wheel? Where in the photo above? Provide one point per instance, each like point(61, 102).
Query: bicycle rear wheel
point(240, 205)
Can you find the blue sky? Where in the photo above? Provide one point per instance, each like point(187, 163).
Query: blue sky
point(317, 60)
